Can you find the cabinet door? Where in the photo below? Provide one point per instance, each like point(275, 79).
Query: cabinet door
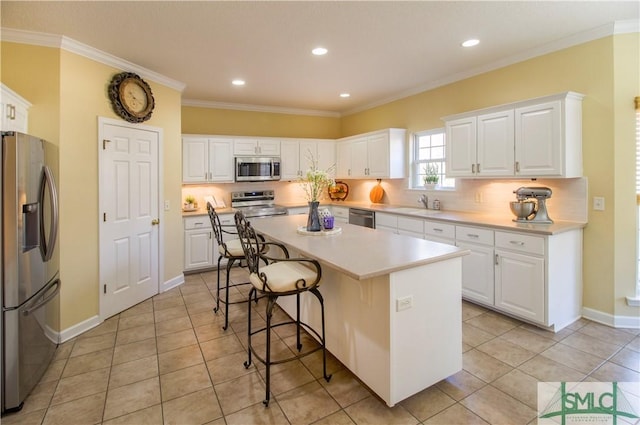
point(495, 147)
point(359, 162)
point(343, 160)
point(461, 147)
point(308, 152)
point(198, 249)
point(290, 160)
point(195, 160)
point(326, 155)
point(538, 140)
point(245, 147)
point(378, 156)
point(221, 160)
point(520, 285)
point(269, 147)
point(477, 273)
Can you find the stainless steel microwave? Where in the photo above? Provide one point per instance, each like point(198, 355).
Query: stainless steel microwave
point(257, 168)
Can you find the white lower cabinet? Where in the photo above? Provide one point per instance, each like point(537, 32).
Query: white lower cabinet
point(199, 243)
point(340, 214)
point(387, 222)
point(520, 285)
point(477, 267)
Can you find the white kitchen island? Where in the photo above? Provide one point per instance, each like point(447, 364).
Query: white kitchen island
point(392, 303)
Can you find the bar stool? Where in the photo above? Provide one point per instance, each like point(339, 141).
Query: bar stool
point(230, 249)
point(281, 277)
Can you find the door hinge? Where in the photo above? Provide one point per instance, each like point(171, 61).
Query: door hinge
point(104, 216)
point(104, 143)
point(104, 288)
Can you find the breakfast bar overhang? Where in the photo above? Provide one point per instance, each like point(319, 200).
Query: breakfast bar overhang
point(392, 303)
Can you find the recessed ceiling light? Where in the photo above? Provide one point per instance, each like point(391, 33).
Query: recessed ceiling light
point(319, 51)
point(470, 43)
point(238, 82)
point(344, 95)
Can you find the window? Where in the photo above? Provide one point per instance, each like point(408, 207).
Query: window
point(429, 152)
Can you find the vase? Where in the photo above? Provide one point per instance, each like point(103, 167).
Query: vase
point(313, 220)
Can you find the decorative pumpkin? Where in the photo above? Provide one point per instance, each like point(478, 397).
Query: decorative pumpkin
point(376, 193)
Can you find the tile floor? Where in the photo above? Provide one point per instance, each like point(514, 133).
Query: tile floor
point(167, 360)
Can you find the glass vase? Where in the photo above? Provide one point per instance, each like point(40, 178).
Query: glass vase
point(313, 220)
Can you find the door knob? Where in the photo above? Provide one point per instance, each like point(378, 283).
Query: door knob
point(155, 221)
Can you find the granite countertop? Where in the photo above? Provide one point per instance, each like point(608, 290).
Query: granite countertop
point(386, 252)
point(445, 216)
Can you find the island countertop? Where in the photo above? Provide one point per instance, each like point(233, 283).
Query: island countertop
point(358, 252)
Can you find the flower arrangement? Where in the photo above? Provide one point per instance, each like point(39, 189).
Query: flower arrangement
point(316, 181)
point(431, 173)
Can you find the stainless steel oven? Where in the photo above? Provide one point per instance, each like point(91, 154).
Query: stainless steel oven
point(257, 168)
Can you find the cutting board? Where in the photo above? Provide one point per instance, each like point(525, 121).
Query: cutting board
point(376, 194)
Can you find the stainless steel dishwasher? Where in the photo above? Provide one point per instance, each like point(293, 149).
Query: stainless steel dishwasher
point(363, 218)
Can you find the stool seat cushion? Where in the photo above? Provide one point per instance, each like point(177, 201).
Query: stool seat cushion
point(283, 275)
point(234, 248)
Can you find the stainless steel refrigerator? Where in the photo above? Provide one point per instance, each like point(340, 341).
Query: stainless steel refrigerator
point(30, 273)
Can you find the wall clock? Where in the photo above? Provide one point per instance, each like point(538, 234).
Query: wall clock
point(131, 97)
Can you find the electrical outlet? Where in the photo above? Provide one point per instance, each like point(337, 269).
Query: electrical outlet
point(167, 206)
point(404, 303)
point(478, 197)
point(598, 203)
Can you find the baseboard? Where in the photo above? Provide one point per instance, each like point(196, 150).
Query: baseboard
point(172, 283)
point(79, 328)
point(632, 322)
point(94, 321)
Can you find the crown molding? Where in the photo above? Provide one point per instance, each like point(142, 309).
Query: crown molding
point(619, 27)
point(73, 46)
point(257, 108)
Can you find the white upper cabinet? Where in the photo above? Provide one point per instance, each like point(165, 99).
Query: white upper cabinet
point(15, 111)
point(249, 146)
point(206, 159)
point(379, 154)
point(296, 155)
point(537, 137)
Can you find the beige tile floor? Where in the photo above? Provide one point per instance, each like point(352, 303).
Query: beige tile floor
point(167, 360)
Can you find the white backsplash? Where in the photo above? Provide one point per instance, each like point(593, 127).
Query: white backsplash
point(568, 202)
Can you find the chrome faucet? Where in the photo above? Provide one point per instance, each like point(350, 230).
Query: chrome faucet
point(425, 201)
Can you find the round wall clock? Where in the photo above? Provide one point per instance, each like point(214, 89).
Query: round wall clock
point(131, 97)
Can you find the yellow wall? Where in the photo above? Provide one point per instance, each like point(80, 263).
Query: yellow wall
point(69, 93)
point(593, 69)
point(626, 84)
point(196, 120)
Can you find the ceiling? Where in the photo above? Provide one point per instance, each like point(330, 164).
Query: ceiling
point(378, 51)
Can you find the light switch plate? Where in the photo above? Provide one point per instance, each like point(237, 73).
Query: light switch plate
point(598, 203)
point(167, 205)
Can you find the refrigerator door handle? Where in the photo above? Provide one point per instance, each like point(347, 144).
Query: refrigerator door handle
point(47, 245)
point(39, 302)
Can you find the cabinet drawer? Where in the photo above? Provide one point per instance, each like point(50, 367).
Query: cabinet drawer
point(197, 222)
point(340, 212)
point(413, 225)
point(474, 235)
point(520, 242)
point(226, 220)
point(440, 230)
point(387, 220)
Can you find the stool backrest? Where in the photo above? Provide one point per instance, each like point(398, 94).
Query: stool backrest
point(251, 245)
point(218, 231)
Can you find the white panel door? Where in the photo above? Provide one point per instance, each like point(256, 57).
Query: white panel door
point(129, 225)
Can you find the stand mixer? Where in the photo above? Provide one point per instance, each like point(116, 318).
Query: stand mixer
point(527, 211)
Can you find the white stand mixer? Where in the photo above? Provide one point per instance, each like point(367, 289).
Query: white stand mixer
point(527, 211)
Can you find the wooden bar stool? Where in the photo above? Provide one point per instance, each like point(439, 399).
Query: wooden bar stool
point(280, 277)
